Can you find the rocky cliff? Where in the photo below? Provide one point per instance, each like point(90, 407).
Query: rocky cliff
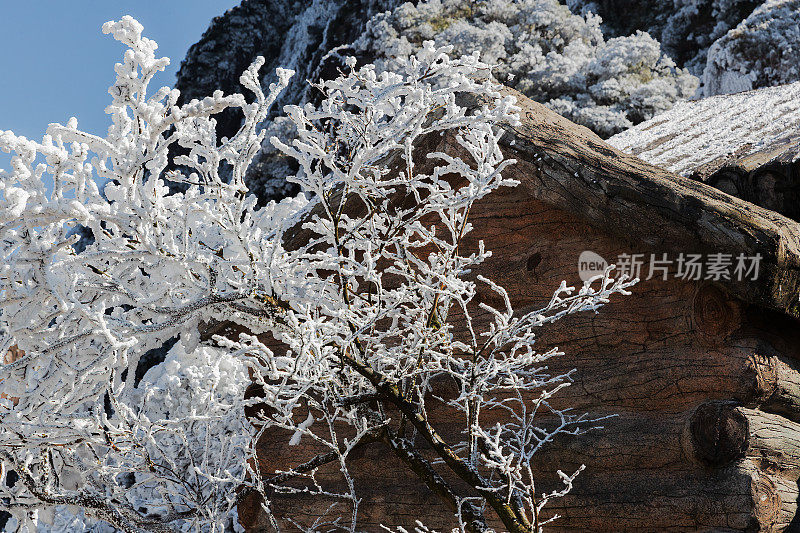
point(289, 34)
point(729, 41)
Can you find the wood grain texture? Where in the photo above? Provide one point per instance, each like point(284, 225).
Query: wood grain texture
point(701, 379)
point(568, 166)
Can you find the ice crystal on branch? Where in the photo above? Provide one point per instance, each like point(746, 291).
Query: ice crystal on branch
point(363, 277)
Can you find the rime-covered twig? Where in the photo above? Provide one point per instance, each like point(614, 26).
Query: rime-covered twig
point(364, 297)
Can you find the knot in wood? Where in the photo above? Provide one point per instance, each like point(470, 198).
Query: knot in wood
point(715, 314)
point(719, 433)
point(533, 261)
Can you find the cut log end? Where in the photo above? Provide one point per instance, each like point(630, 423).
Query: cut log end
point(766, 503)
point(719, 434)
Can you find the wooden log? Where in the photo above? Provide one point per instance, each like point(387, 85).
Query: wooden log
point(775, 385)
point(677, 361)
point(721, 433)
point(567, 165)
point(731, 500)
point(765, 448)
point(773, 443)
point(738, 472)
point(768, 183)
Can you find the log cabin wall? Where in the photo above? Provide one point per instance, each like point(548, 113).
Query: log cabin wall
point(702, 386)
point(700, 379)
point(703, 390)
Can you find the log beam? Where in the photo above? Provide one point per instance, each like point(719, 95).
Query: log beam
point(567, 165)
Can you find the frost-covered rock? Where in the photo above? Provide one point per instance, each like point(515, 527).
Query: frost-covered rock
point(734, 45)
point(602, 73)
point(289, 34)
point(762, 51)
point(685, 28)
point(540, 48)
point(543, 50)
point(694, 25)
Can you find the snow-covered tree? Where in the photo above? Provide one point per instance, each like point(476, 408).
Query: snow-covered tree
point(362, 277)
point(542, 49)
point(762, 51)
point(685, 28)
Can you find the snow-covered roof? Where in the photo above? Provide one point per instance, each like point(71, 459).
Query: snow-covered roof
point(707, 133)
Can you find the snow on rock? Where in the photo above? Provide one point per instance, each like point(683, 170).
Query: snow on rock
point(591, 72)
point(539, 47)
point(686, 28)
point(546, 52)
point(763, 50)
point(696, 133)
point(287, 33)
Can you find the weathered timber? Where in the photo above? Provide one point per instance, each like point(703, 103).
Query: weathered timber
point(699, 137)
point(776, 386)
point(745, 144)
point(702, 376)
point(568, 166)
point(769, 177)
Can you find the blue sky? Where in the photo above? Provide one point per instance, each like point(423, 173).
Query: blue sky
point(56, 63)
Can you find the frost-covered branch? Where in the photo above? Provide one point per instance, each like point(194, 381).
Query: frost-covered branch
point(363, 278)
